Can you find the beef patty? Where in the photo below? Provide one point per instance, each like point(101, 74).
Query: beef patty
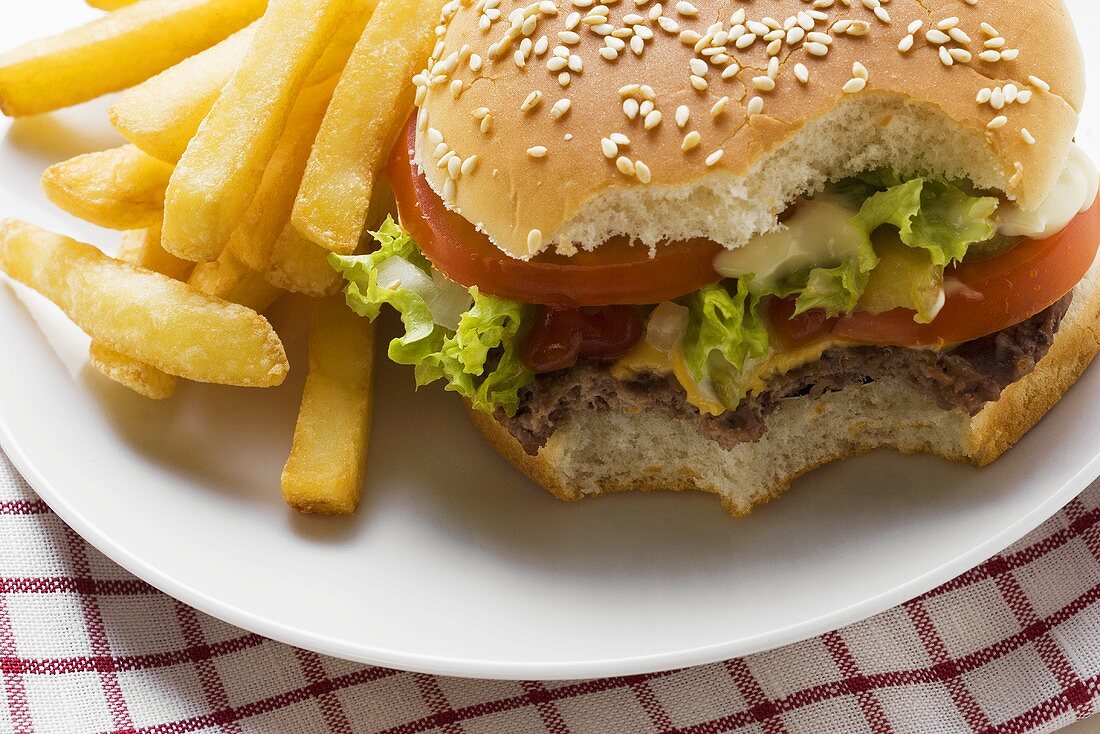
point(965, 378)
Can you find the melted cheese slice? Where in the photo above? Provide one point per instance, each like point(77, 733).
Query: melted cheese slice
point(644, 359)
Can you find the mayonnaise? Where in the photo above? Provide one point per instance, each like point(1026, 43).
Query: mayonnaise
point(817, 235)
point(1073, 193)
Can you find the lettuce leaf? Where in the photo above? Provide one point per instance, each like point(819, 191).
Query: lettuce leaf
point(491, 324)
point(479, 360)
point(723, 322)
point(931, 215)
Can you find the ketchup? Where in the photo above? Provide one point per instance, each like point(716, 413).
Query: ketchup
point(793, 331)
point(563, 336)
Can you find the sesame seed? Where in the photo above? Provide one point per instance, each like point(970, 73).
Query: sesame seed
point(631, 108)
point(531, 102)
point(756, 105)
point(641, 170)
point(714, 157)
point(561, 108)
point(534, 240)
point(683, 115)
point(652, 120)
point(686, 9)
point(997, 122)
point(816, 49)
point(719, 107)
point(763, 83)
point(699, 83)
point(854, 86)
point(691, 140)
point(959, 35)
point(1037, 82)
point(802, 73)
point(625, 165)
point(620, 139)
point(609, 149)
point(449, 190)
point(469, 165)
point(1027, 136)
point(537, 151)
point(906, 44)
point(937, 37)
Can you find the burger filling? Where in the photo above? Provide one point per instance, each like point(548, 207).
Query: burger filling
point(949, 290)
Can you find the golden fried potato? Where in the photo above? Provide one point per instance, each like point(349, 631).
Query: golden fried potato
point(145, 315)
point(231, 280)
point(223, 166)
point(110, 4)
point(148, 254)
point(142, 378)
point(141, 247)
point(116, 51)
point(300, 266)
point(371, 104)
point(253, 239)
point(162, 114)
point(121, 188)
point(324, 474)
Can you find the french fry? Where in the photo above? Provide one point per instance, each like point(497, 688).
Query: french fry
point(141, 247)
point(162, 114)
point(142, 378)
point(116, 51)
point(324, 474)
point(335, 57)
point(149, 255)
point(221, 170)
point(231, 280)
point(145, 315)
point(110, 4)
point(300, 266)
point(370, 105)
point(253, 239)
point(121, 188)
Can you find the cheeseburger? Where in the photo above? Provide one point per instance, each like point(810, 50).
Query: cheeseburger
point(712, 244)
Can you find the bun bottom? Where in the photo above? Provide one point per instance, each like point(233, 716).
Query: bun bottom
point(599, 453)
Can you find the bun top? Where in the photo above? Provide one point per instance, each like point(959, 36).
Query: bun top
point(566, 122)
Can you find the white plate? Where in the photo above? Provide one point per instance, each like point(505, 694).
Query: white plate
point(456, 564)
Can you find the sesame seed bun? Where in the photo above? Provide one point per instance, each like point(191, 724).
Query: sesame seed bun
point(541, 177)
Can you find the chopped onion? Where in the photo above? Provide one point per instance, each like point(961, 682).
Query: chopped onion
point(667, 325)
point(446, 299)
point(451, 301)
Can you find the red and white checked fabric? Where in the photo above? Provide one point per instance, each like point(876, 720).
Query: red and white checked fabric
point(1011, 646)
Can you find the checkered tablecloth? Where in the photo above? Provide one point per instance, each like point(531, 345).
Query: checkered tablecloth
point(1011, 646)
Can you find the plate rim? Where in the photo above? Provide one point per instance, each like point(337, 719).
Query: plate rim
point(313, 641)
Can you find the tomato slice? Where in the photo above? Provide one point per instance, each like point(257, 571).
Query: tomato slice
point(616, 273)
point(982, 297)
